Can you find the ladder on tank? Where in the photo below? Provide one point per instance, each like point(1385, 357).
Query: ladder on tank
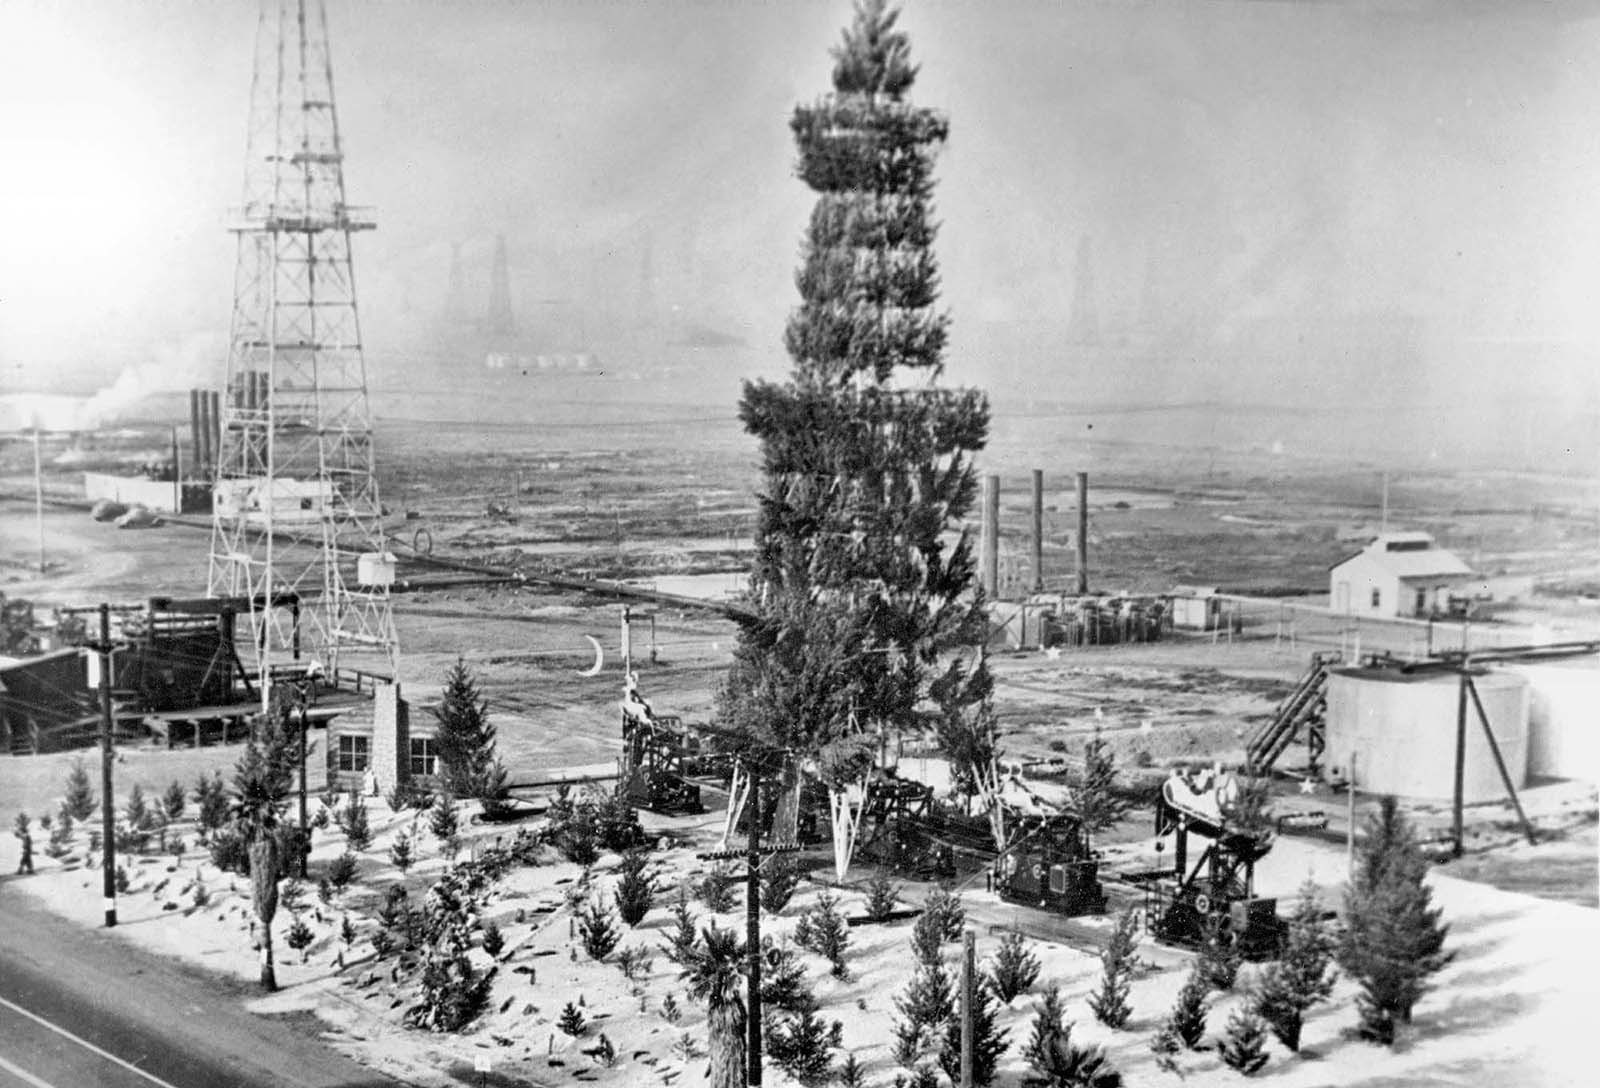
point(1303, 709)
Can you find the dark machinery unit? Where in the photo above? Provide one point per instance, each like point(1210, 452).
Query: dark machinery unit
point(901, 828)
point(1216, 892)
point(1049, 865)
point(659, 758)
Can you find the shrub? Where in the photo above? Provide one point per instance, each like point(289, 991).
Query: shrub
point(635, 891)
point(988, 1040)
point(292, 896)
point(780, 877)
point(353, 822)
point(211, 803)
point(400, 853)
point(925, 1008)
point(382, 942)
point(571, 1020)
point(1244, 1046)
point(230, 852)
point(633, 962)
point(927, 938)
point(342, 870)
point(299, 937)
point(603, 1051)
point(801, 1045)
point(443, 820)
point(1187, 1020)
point(1110, 1002)
point(578, 841)
point(716, 889)
point(616, 823)
point(883, 895)
point(174, 800)
point(200, 894)
point(1219, 953)
point(1301, 976)
point(783, 980)
point(347, 932)
point(493, 941)
point(79, 801)
point(851, 1075)
point(670, 1012)
point(680, 946)
point(948, 911)
point(600, 934)
point(826, 932)
point(1015, 968)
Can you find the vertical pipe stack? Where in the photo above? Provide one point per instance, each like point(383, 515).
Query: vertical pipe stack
point(197, 400)
point(1083, 533)
point(991, 536)
point(1038, 530)
point(214, 432)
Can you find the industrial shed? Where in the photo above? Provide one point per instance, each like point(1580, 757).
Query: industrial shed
point(1398, 574)
point(392, 746)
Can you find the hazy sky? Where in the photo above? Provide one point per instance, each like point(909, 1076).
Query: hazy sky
point(1288, 198)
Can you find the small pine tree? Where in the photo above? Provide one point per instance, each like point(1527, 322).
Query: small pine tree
point(347, 932)
point(783, 980)
point(79, 801)
point(883, 895)
point(341, 871)
point(947, 908)
point(716, 889)
point(670, 1010)
point(464, 739)
point(600, 933)
point(635, 890)
point(851, 1074)
point(1393, 937)
point(1063, 1064)
point(780, 877)
point(1219, 953)
point(1015, 968)
point(927, 937)
point(1095, 799)
point(174, 800)
point(442, 818)
point(212, 804)
point(1244, 1045)
point(299, 937)
point(571, 1020)
point(680, 945)
point(1302, 975)
point(493, 941)
point(988, 1040)
point(616, 824)
point(925, 1009)
point(400, 853)
point(382, 942)
point(1110, 1003)
point(827, 933)
point(1049, 1022)
point(1187, 1020)
point(354, 823)
point(137, 811)
point(801, 1044)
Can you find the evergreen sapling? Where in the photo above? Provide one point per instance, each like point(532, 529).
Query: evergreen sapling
point(1187, 1021)
point(1015, 968)
point(883, 895)
point(988, 1040)
point(79, 801)
point(635, 890)
point(1110, 1002)
point(1302, 976)
point(1244, 1044)
point(599, 932)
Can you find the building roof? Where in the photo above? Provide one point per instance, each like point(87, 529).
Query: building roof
point(1427, 563)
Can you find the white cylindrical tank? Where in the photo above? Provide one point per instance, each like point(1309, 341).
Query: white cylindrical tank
point(1401, 730)
point(1564, 719)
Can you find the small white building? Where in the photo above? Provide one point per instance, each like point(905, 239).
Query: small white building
point(1398, 574)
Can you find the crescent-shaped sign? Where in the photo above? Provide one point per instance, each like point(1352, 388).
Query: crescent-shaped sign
point(599, 658)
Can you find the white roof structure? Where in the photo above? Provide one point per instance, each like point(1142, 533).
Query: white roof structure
point(1410, 555)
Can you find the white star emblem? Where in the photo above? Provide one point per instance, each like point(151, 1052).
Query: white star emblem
point(1308, 785)
point(1145, 726)
point(1053, 653)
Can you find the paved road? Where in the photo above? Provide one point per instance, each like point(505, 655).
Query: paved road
point(82, 1008)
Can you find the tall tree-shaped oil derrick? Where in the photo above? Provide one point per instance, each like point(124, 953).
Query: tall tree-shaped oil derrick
point(1083, 327)
point(296, 528)
point(867, 462)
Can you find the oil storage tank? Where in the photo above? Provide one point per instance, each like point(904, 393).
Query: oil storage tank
point(1400, 728)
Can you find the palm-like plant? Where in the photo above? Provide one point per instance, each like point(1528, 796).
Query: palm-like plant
point(255, 815)
point(713, 971)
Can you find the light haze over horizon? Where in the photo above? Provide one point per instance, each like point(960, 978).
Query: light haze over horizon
point(1338, 208)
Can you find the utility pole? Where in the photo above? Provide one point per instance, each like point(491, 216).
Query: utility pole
point(108, 823)
point(305, 834)
point(751, 856)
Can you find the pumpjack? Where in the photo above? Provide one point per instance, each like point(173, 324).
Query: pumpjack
point(660, 757)
point(1215, 894)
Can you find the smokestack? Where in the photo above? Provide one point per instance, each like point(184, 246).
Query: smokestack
point(1038, 530)
point(213, 432)
point(990, 572)
point(196, 426)
point(1083, 532)
point(177, 475)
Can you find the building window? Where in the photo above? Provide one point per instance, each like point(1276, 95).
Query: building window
point(1377, 598)
point(424, 756)
point(353, 753)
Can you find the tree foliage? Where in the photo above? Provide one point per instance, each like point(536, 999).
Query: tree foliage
point(989, 1040)
point(925, 1008)
point(1393, 937)
point(1244, 1043)
point(80, 799)
point(1302, 976)
point(866, 462)
point(1095, 799)
point(465, 738)
point(635, 889)
point(1014, 969)
point(1110, 1002)
point(1054, 1060)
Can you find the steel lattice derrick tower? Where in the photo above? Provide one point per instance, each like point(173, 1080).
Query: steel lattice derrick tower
point(296, 508)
